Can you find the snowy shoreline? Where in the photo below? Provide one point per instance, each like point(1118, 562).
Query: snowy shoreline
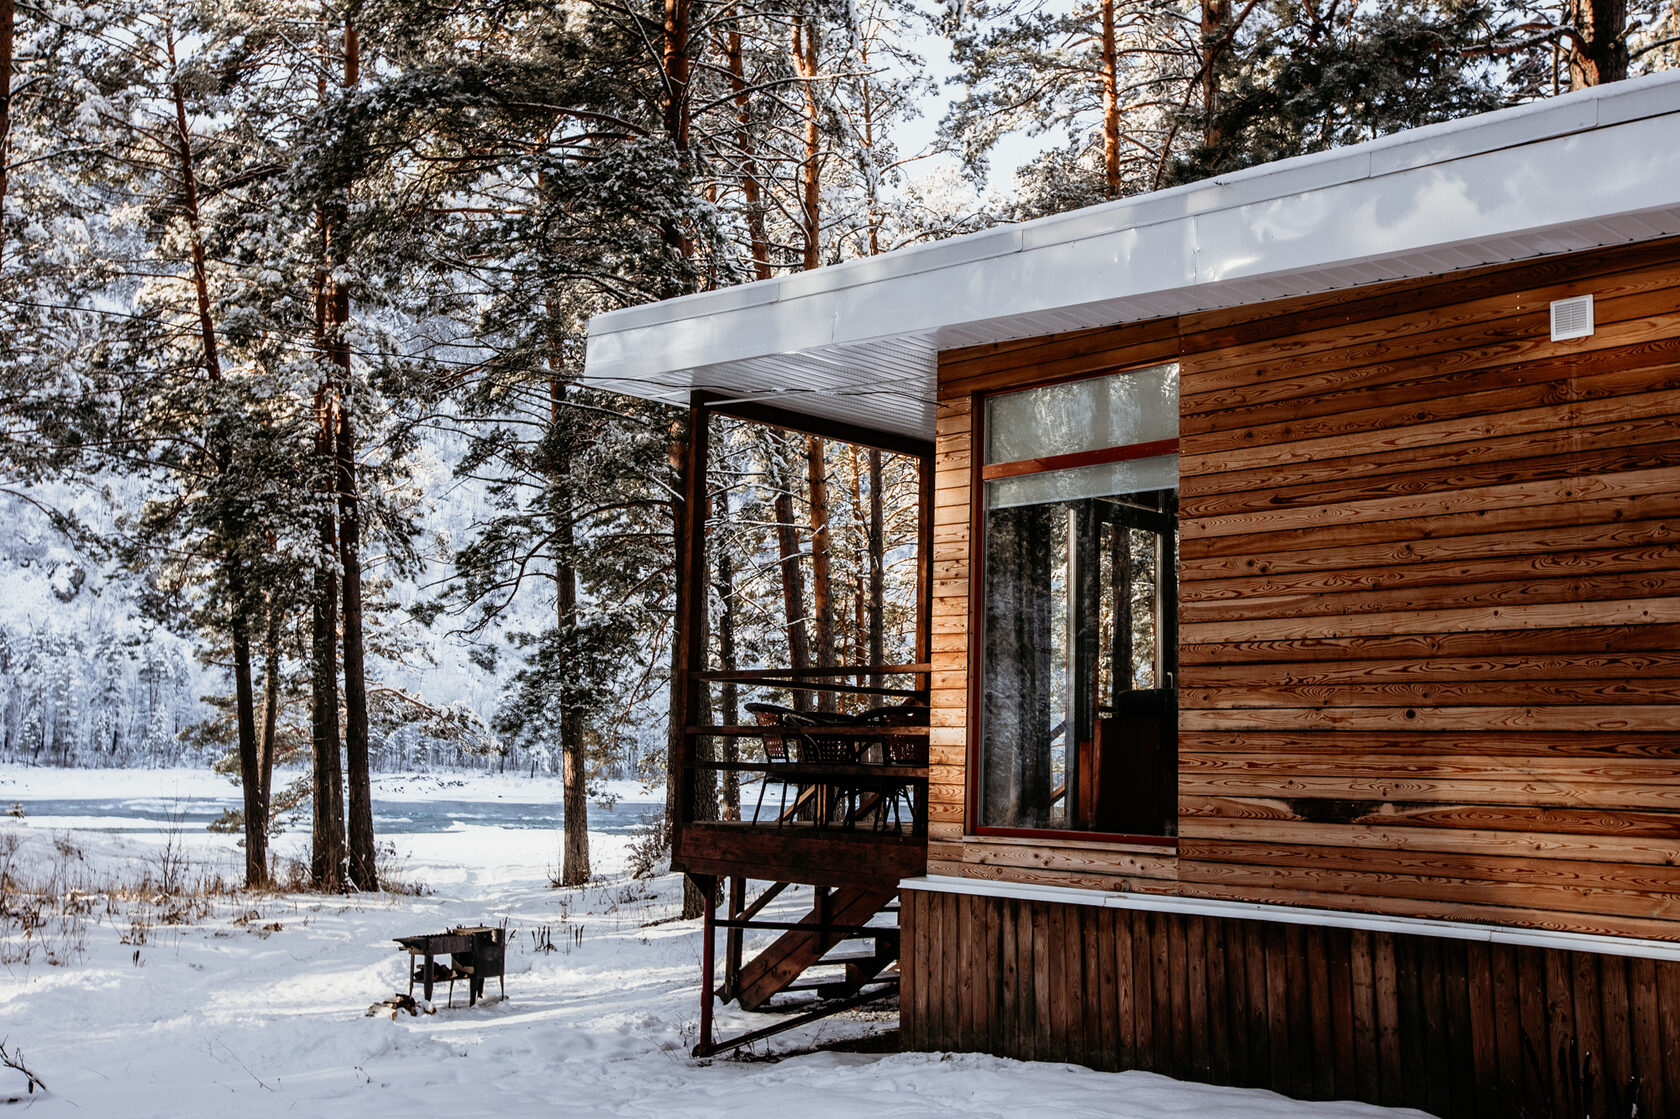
point(26, 782)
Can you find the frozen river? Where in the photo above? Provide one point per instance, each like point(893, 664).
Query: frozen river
point(149, 813)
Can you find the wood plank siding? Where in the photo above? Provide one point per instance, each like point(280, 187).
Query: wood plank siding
point(1430, 632)
point(1454, 1027)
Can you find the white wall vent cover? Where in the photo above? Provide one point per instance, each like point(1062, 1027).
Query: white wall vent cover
point(1572, 318)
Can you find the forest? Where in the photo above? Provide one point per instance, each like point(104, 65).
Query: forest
point(297, 473)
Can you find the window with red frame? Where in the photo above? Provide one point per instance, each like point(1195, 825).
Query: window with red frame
point(1078, 728)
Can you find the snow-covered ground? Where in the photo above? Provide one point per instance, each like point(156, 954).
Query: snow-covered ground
point(258, 1007)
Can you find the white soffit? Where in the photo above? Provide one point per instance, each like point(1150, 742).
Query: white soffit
point(858, 341)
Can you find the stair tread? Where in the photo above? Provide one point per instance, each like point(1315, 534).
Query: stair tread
point(795, 951)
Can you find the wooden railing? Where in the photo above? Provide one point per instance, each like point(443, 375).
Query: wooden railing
point(833, 777)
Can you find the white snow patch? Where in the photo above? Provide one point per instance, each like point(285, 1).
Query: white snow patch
point(259, 1009)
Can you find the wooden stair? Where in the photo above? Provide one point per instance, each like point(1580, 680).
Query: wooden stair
point(784, 961)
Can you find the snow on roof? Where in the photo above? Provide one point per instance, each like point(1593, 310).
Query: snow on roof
point(858, 341)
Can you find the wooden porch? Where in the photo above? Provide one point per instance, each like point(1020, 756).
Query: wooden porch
point(850, 800)
point(832, 766)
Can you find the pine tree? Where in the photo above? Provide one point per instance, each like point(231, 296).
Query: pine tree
point(550, 183)
point(190, 411)
point(1107, 79)
point(1295, 78)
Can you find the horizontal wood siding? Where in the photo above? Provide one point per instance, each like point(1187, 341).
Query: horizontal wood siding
point(1431, 597)
point(1430, 587)
point(1456, 1028)
point(948, 690)
point(1058, 862)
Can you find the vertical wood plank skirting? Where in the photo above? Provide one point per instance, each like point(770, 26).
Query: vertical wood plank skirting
point(1456, 1028)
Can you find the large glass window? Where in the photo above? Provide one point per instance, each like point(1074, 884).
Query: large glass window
point(1079, 716)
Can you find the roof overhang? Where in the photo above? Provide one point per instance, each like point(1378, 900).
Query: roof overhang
point(858, 342)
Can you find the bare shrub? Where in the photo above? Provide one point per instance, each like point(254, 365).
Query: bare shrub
point(650, 850)
point(172, 859)
point(47, 906)
point(389, 869)
point(14, 1060)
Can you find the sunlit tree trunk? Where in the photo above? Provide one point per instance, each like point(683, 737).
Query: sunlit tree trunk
point(1598, 50)
point(1216, 21)
point(793, 589)
point(326, 864)
point(256, 821)
point(1111, 103)
point(574, 760)
point(810, 169)
point(877, 563)
point(675, 106)
point(266, 744)
point(8, 34)
point(822, 584)
point(872, 170)
point(752, 190)
point(358, 779)
point(359, 782)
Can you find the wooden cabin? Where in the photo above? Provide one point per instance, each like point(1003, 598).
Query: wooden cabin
point(1303, 634)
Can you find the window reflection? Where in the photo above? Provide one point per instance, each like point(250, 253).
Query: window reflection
point(1079, 623)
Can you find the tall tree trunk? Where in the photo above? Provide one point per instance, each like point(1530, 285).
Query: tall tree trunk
point(1111, 103)
point(326, 860)
point(793, 587)
point(1598, 51)
point(574, 760)
point(872, 170)
point(1216, 30)
point(8, 34)
point(683, 587)
point(250, 763)
point(857, 640)
point(341, 446)
point(359, 781)
point(271, 711)
point(326, 863)
point(752, 190)
point(676, 65)
point(810, 169)
point(239, 633)
point(822, 585)
point(728, 661)
point(877, 563)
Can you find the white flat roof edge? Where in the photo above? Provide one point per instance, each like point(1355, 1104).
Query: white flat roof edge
point(1294, 915)
point(1584, 110)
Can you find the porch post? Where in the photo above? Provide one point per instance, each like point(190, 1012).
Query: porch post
point(732, 938)
point(690, 655)
point(924, 560)
point(708, 962)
